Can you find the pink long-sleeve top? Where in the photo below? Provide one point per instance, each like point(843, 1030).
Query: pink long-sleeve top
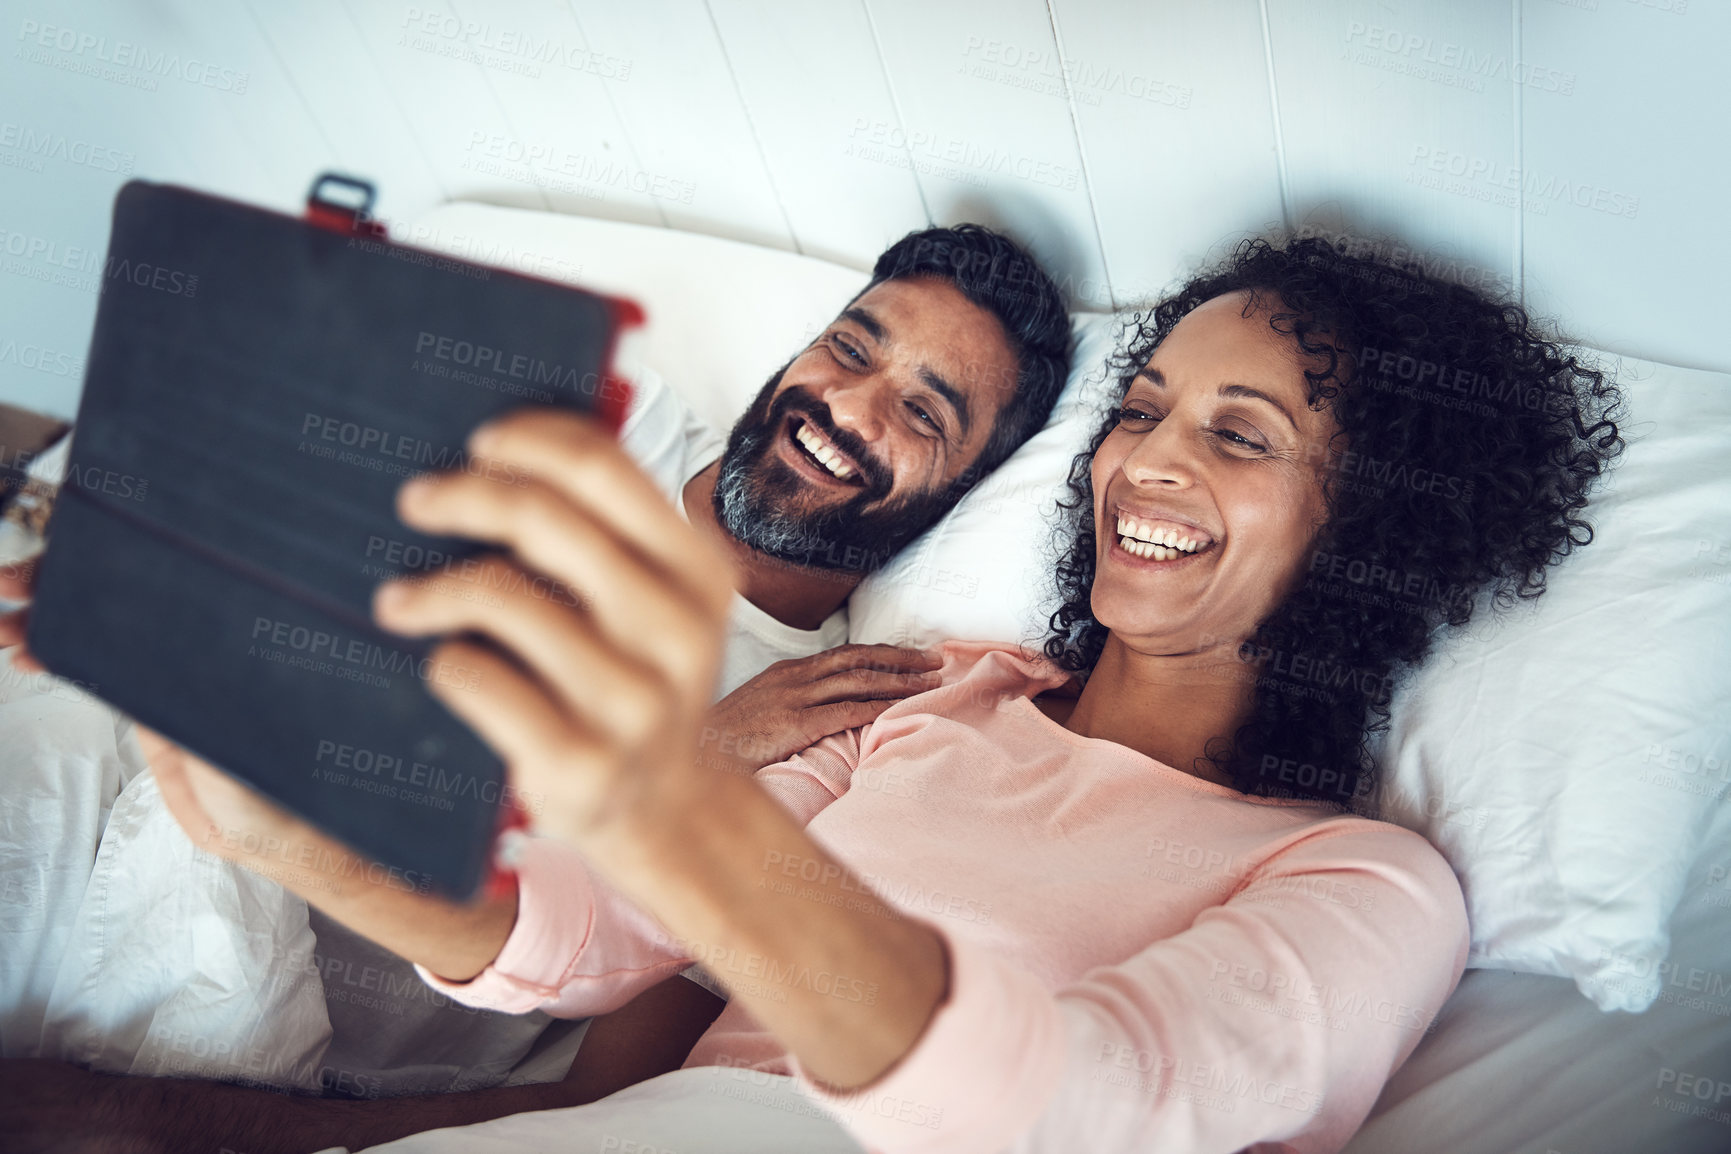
point(1140, 959)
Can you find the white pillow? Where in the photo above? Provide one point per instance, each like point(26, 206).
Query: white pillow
point(1566, 757)
point(984, 572)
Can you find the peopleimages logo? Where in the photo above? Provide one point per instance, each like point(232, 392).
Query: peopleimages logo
point(487, 359)
point(49, 145)
point(1498, 182)
point(89, 49)
point(325, 652)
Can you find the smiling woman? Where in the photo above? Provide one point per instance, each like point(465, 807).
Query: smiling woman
point(1372, 453)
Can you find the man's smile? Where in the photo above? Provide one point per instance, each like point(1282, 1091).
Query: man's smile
point(814, 455)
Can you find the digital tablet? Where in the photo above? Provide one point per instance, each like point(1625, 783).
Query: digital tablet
point(258, 388)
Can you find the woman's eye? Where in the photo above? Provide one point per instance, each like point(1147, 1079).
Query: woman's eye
point(1136, 418)
point(1239, 439)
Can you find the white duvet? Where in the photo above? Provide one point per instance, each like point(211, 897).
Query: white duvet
point(125, 948)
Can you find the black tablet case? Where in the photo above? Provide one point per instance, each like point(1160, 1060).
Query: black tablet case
point(258, 388)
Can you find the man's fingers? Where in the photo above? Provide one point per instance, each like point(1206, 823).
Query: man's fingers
point(869, 684)
point(590, 679)
point(18, 580)
point(23, 660)
point(13, 626)
point(886, 658)
point(18, 583)
point(825, 720)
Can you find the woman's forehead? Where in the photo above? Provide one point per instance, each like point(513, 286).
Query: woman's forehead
point(1223, 338)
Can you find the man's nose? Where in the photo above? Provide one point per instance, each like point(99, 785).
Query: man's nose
point(857, 405)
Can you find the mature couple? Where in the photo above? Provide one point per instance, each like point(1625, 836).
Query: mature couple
point(1098, 1004)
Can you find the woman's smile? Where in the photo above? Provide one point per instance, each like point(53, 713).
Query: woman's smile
point(1159, 539)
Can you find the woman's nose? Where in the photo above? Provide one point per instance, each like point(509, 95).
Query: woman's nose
point(1162, 456)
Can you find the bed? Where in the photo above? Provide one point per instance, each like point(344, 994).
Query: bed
point(1571, 762)
point(1592, 895)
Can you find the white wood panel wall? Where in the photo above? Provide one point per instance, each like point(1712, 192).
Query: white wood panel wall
point(1627, 179)
point(1571, 151)
point(1379, 103)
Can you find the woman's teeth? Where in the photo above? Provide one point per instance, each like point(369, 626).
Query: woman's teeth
point(1141, 539)
point(813, 445)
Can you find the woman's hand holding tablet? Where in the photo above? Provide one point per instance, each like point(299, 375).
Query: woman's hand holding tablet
point(598, 710)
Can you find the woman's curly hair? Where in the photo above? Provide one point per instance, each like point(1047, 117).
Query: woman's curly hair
point(1470, 442)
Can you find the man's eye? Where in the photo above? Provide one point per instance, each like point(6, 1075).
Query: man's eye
point(847, 349)
point(922, 414)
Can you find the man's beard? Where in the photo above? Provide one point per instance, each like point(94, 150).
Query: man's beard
point(761, 501)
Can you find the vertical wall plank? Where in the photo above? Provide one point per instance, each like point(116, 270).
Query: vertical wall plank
point(1625, 175)
point(1397, 118)
point(814, 87)
point(507, 102)
point(986, 143)
point(685, 118)
point(362, 122)
point(92, 95)
point(1177, 129)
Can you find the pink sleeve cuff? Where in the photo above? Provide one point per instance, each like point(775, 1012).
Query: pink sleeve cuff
point(555, 911)
point(989, 1061)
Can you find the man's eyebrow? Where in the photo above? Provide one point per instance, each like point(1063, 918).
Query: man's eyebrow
point(958, 400)
point(1231, 389)
point(864, 319)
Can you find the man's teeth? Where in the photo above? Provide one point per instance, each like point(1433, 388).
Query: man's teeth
point(1141, 539)
point(822, 452)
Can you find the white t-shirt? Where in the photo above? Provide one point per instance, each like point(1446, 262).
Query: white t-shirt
point(415, 1040)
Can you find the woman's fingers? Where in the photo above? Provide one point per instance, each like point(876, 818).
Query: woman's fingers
point(576, 456)
point(568, 455)
point(632, 601)
point(589, 679)
point(555, 761)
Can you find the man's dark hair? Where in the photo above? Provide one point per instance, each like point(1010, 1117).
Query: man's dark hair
point(997, 274)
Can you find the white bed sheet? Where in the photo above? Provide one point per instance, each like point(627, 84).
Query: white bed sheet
point(706, 1110)
point(1522, 1062)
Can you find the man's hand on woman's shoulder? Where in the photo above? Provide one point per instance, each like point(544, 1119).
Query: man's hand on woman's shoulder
point(797, 703)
